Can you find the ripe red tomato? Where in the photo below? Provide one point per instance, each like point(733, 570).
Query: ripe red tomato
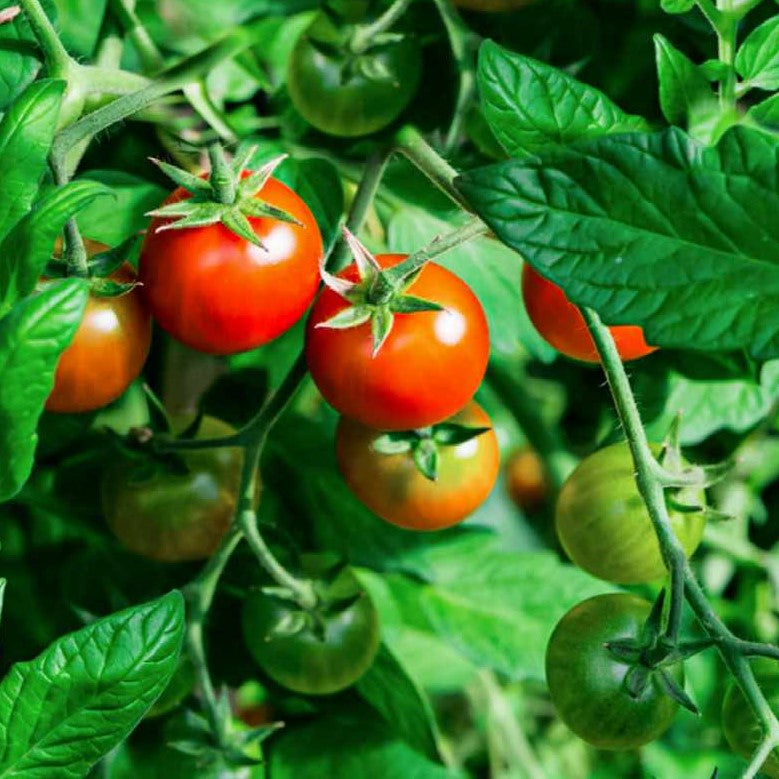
point(216, 292)
point(107, 352)
point(429, 367)
point(392, 487)
point(562, 325)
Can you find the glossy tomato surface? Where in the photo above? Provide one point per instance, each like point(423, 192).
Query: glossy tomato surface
point(307, 662)
point(169, 516)
point(216, 292)
point(348, 94)
point(429, 367)
point(392, 486)
point(561, 324)
point(586, 681)
point(107, 352)
point(742, 728)
point(603, 523)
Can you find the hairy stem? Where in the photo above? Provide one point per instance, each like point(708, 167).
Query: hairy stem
point(730, 648)
point(58, 61)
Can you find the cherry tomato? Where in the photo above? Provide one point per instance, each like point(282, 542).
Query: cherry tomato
point(742, 728)
point(603, 523)
point(180, 686)
point(108, 350)
point(392, 486)
point(348, 94)
point(216, 292)
point(170, 516)
point(525, 480)
point(491, 6)
point(561, 324)
point(586, 681)
point(308, 661)
point(429, 367)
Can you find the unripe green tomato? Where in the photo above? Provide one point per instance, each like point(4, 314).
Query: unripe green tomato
point(306, 662)
point(604, 526)
point(587, 683)
point(346, 94)
point(742, 728)
point(179, 687)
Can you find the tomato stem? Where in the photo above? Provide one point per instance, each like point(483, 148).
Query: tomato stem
point(151, 58)
point(58, 61)
point(463, 43)
point(733, 650)
point(365, 35)
point(221, 178)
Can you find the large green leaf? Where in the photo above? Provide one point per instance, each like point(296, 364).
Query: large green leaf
point(352, 744)
point(766, 112)
point(19, 61)
point(62, 711)
point(79, 24)
point(757, 61)
point(32, 337)
point(389, 689)
point(26, 133)
point(651, 229)
point(531, 106)
point(28, 247)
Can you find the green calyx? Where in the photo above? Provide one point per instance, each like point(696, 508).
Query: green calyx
point(424, 444)
point(376, 297)
point(224, 197)
point(651, 655)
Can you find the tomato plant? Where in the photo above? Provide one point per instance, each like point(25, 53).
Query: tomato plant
point(392, 484)
point(169, 512)
point(587, 683)
point(603, 524)
point(560, 323)
point(357, 230)
point(349, 93)
point(319, 652)
point(408, 383)
point(218, 292)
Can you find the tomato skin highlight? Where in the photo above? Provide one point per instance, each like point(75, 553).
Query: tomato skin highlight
point(353, 105)
point(392, 487)
point(604, 526)
point(303, 662)
point(428, 369)
point(173, 517)
point(739, 723)
point(586, 681)
point(216, 292)
point(561, 324)
point(106, 354)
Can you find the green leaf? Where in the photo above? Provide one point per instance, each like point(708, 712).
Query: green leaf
point(32, 336)
point(79, 24)
point(426, 459)
point(77, 700)
point(28, 247)
point(352, 316)
point(394, 442)
point(19, 60)
point(3, 584)
point(757, 60)
point(651, 229)
point(677, 6)
point(391, 691)
point(766, 112)
point(451, 434)
point(354, 743)
point(113, 220)
point(26, 134)
point(531, 106)
point(682, 85)
point(409, 304)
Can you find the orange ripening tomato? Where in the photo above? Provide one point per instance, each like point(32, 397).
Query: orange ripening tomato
point(108, 351)
point(561, 324)
point(392, 486)
point(218, 293)
point(429, 367)
point(525, 479)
